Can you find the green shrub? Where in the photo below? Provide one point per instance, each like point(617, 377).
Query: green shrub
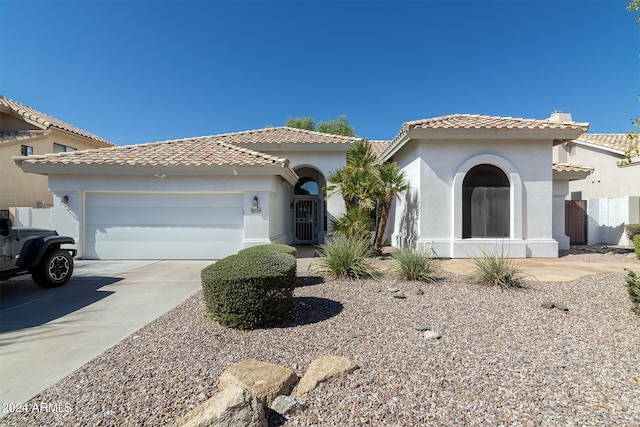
point(414, 264)
point(346, 257)
point(249, 289)
point(497, 270)
point(355, 222)
point(633, 287)
point(636, 245)
point(632, 230)
point(272, 247)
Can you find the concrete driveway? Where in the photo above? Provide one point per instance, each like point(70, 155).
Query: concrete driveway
point(46, 334)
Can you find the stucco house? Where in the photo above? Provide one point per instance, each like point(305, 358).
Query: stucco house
point(603, 152)
point(477, 183)
point(25, 131)
point(611, 194)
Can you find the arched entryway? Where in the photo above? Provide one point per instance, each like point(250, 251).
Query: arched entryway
point(485, 203)
point(309, 207)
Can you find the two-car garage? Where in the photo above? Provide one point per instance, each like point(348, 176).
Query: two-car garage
point(162, 225)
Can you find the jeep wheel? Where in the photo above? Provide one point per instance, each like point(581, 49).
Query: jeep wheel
point(54, 270)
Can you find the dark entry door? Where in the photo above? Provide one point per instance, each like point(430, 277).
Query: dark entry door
point(575, 221)
point(305, 212)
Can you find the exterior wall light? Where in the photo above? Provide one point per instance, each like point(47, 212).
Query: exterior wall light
point(254, 205)
point(65, 201)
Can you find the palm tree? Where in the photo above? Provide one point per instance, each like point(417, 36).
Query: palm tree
point(391, 182)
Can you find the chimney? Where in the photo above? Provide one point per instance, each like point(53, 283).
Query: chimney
point(559, 116)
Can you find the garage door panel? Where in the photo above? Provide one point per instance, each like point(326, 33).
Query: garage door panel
point(163, 215)
point(166, 250)
point(162, 225)
point(107, 233)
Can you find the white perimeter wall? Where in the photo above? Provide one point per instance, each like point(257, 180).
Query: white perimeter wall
point(607, 218)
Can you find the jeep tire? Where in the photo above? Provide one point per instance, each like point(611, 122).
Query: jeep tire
point(55, 269)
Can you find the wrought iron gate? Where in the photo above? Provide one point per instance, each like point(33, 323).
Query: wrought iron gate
point(305, 218)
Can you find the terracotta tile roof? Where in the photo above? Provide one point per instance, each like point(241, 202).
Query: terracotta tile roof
point(7, 137)
point(614, 141)
point(284, 135)
point(565, 167)
point(378, 146)
point(475, 121)
point(203, 151)
point(45, 120)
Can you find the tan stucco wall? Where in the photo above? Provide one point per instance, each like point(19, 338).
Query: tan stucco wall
point(608, 180)
point(18, 189)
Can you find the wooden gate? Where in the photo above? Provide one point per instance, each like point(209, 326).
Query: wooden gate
point(575, 221)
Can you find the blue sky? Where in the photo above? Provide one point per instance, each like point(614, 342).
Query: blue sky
point(135, 71)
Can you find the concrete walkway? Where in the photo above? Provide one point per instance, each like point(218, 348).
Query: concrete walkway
point(46, 334)
point(551, 269)
point(543, 269)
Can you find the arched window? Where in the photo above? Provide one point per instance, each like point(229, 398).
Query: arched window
point(306, 187)
point(485, 202)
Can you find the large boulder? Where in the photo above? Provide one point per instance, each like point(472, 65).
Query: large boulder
point(232, 407)
point(265, 380)
point(323, 369)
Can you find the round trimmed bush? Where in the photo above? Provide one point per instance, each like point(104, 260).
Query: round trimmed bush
point(250, 288)
point(272, 247)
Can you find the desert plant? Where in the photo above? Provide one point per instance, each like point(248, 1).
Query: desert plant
point(346, 257)
point(414, 264)
point(636, 245)
point(249, 289)
point(497, 270)
point(633, 287)
point(355, 222)
point(632, 230)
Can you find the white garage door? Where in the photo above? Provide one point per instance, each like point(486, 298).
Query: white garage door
point(162, 226)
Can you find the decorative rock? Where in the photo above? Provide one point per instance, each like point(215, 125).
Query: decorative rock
point(422, 328)
point(547, 304)
point(323, 369)
point(560, 306)
point(399, 295)
point(265, 380)
point(419, 292)
point(393, 289)
point(233, 406)
point(287, 405)
point(431, 335)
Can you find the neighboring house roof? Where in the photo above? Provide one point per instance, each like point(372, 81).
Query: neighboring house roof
point(22, 136)
point(567, 172)
point(193, 153)
point(45, 121)
point(479, 127)
point(285, 135)
point(614, 142)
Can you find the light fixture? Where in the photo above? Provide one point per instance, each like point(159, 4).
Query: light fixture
point(254, 205)
point(65, 201)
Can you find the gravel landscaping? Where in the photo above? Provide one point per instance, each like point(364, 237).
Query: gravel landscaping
point(502, 358)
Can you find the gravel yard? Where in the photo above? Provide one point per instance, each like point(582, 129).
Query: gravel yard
point(502, 358)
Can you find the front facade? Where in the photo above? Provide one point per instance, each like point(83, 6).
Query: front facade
point(26, 131)
point(477, 183)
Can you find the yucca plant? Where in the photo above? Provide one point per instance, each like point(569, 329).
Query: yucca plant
point(414, 264)
point(346, 257)
point(497, 270)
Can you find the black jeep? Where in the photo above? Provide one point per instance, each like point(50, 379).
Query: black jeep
point(37, 252)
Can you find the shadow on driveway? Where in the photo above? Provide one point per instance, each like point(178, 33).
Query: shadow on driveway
point(25, 305)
